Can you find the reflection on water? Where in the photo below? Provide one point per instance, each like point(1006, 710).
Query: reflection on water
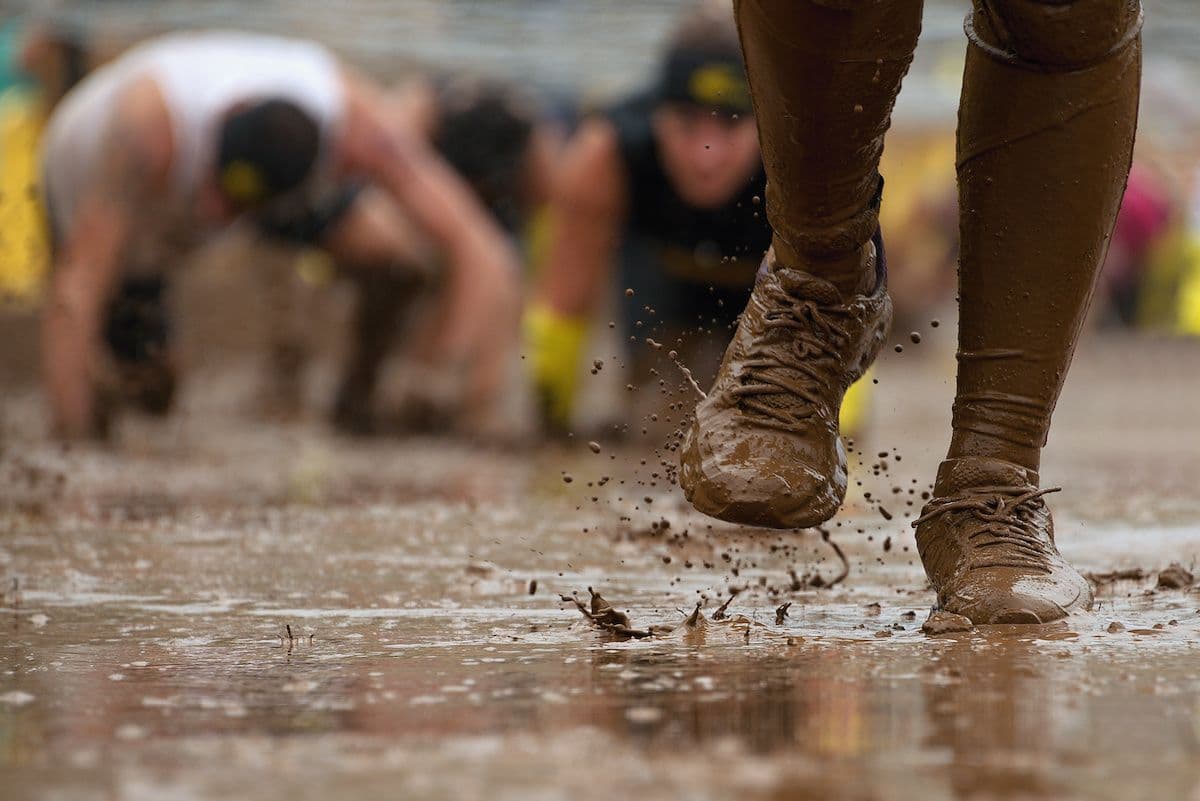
point(121, 700)
point(142, 648)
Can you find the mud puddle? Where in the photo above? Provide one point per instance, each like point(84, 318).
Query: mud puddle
point(225, 610)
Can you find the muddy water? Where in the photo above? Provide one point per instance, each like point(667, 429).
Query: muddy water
point(145, 653)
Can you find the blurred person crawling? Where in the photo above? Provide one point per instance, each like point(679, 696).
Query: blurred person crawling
point(186, 135)
point(660, 194)
point(503, 147)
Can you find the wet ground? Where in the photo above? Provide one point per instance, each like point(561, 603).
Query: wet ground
point(224, 608)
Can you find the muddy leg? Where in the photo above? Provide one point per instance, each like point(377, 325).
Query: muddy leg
point(1045, 139)
point(824, 75)
point(765, 448)
point(1046, 128)
point(384, 297)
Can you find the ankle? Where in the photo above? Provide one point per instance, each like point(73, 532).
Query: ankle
point(973, 443)
point(853, 272)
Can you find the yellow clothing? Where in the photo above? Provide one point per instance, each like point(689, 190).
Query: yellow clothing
point(24, 241)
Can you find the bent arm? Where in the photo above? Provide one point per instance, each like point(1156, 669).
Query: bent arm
point(586, 214)
point(431, 194)
point(136, 161)
point(72, 321)
point(478, 320)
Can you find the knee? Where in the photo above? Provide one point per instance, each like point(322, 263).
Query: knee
point(1058, 34)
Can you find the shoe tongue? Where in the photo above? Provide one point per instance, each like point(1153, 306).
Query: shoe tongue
point(973, 472)
point(808, 287)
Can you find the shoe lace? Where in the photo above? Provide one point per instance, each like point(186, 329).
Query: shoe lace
point(1011, 528)
point(785, 378)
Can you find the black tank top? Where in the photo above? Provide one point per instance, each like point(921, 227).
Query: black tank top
point(693, 241)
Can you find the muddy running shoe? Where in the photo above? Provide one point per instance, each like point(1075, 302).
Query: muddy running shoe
point(765, 449)
point(987, 541)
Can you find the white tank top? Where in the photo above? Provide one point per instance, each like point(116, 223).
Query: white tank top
point(201, 76)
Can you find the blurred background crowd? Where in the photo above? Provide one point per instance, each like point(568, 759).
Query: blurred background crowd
point(617, 211)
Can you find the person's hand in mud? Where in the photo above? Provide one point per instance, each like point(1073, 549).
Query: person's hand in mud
point(137, 164)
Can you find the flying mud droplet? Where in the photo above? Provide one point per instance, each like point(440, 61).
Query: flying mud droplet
point(696, 621)
point(816, 580)
point(687, 374)
point(594, 446)
point(720, 613)
point(915, 338)
point(629, 293)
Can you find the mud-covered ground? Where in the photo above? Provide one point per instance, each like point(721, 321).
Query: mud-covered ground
point(224, 608)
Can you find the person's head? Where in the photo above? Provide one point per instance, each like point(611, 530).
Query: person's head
point(265, 150)
point(55, 54)
point(704, 123)
point(485, 132)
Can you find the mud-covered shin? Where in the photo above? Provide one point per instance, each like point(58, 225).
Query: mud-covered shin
point(765, 448)
point(1046, 129)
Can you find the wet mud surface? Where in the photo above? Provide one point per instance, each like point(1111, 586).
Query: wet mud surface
point(223, 608)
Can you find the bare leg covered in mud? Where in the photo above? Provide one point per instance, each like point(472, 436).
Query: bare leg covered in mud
point(765, 448)
point(1045, 139)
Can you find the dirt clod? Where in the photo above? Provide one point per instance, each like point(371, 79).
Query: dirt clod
point(1175, 577)
point(1112, 576)
point(941, 622)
